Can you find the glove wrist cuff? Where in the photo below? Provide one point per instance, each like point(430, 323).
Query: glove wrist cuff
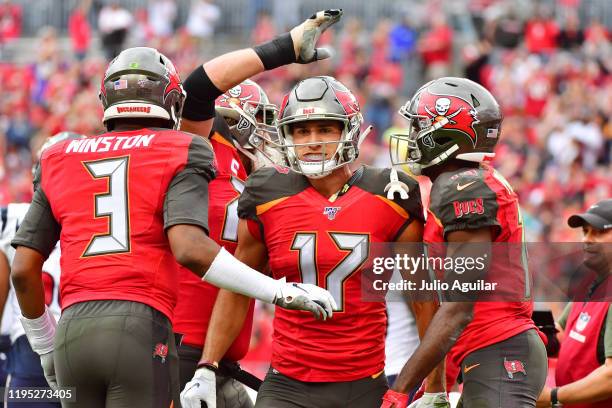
point(209, 364)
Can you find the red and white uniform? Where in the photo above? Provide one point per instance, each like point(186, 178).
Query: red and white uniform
point(472, 199)
point(113, 241)
point(197, 298)
point(312, 240)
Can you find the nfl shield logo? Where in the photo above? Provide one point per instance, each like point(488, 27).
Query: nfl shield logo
point(582, 321)
point(331, 212)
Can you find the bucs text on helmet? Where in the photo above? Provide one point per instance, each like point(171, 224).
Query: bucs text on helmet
point(448, 118)
point(321, 98)
point(251, 117)
point(142, 83)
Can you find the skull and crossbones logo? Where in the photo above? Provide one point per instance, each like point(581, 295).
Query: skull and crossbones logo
point(234, 96)
point(442, 107)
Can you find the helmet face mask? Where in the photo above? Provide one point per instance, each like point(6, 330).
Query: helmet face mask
point(318, 99)
point(142, 83)
point(448, 118)
point(251, 118)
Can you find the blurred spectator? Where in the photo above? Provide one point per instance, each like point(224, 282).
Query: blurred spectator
point(143, 32)
point(19, 130)
point(402, 40)
point(114, 22)
point(508, 31)
point(10, 21)
point(264, 29)
point(203, 15)
point(597, 43)
point(435, 47)
point(79, 29)
point(162, 14)
point(541, 33)
point(571, 36)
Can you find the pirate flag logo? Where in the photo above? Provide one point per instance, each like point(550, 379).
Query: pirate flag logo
point(460, 114)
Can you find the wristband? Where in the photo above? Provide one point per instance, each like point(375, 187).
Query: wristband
point(211, 365)
point(40, 331)
point(276, 53)
point(554, 401)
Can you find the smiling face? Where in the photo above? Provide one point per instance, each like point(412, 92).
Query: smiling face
point(320, 134)
point(597, 248)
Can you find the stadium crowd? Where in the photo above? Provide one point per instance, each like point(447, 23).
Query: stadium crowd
point(551, 76)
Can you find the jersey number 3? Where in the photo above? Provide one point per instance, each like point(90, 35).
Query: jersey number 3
point(357, 244)
point(112, 204)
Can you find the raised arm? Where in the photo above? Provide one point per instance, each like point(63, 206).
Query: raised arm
point(218, 75)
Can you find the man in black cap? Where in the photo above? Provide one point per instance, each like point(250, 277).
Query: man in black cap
point(585, 357)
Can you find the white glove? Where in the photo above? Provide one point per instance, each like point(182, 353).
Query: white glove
point(201, 388)
point(431, 400)
point(48, 366)
point(305, 296)
point(306, 35)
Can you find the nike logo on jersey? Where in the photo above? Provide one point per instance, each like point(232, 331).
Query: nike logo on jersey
point(468, 368)
point(463, 187)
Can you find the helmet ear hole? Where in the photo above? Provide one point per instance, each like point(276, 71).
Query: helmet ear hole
point(443, 140)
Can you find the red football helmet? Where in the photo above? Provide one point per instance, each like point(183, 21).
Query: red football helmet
point(142, 83)
point(449, 118)
point(251, 117)
point(321, 98)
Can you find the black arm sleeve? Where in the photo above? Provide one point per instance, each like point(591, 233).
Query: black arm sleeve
point(39, 229)
point(201, 94)
point(186, 200)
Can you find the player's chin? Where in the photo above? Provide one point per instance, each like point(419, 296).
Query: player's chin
point(595, 261)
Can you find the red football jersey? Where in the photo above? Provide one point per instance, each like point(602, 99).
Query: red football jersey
point(197, 298)
point(108, 193)
point(477, 198)
point(312, 240)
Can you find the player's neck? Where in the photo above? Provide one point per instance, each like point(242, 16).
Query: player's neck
point(329, 185)
point(452, 165)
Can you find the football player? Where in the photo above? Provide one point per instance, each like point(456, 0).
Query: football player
point(313, 223)
point(247, 110)
point(454, 127)
point(235, 156)
point(24, 365)
point(122, 206)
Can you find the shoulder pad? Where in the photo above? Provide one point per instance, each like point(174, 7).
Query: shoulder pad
point(267, 185)
point(374, 180)
point(201, 157)
point(221, 127)
point(463, 198)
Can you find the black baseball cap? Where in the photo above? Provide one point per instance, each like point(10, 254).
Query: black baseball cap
point(598, 216)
